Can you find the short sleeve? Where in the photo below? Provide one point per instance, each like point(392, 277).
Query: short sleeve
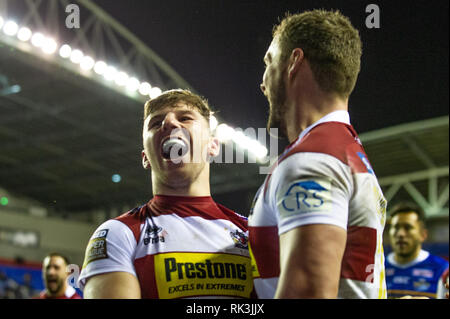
point(111, 248)
point(312, 188)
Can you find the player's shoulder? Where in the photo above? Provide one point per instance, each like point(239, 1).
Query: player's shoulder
point(441, 262)
point(121, 225)
point(133, 219)
point(329, 137)
point(239, 220)
point(133, 215)
point(335, 139)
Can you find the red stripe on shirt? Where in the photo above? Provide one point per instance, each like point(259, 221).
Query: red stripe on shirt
point(336, 139)
point(359, 256)
point(134, 219)
point(264, 243)
point(145, 270)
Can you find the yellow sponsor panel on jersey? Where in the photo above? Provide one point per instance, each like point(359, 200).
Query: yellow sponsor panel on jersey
point(255, 272)
point(180, 275)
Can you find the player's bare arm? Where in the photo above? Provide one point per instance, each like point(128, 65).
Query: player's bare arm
point(114, 285)
point(310, 261)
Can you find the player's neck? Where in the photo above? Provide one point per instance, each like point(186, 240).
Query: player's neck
point(403, 260)
point(306, 111)
point(198, 186)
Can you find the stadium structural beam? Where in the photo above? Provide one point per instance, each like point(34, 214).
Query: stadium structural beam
point(99, 33)
point(434, 204)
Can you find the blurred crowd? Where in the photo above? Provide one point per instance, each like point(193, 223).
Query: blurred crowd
point(11, 289)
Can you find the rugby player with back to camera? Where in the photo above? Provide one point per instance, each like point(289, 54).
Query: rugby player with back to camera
point(181, 243)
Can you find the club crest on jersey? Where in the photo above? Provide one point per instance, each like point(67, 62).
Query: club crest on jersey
point(239, 238)
point(305, 196)
point(153, 235)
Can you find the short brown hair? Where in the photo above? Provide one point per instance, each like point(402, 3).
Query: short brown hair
point(171, 97)
point(331, 45)
point(407, 207)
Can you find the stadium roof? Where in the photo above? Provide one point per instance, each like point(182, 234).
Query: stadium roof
point(66, 135)
point(411, 162)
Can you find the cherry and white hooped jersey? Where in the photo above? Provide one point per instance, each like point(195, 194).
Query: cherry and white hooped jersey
point(324, 177)
point(177, 247)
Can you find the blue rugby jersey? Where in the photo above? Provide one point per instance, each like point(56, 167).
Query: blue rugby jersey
point(422, 277)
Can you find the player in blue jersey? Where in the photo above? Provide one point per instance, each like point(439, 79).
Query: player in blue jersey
point(410, 270)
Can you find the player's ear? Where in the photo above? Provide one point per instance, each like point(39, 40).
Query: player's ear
point(423, 233)
point(145, 161)
point(295, 60)
point(213, 147)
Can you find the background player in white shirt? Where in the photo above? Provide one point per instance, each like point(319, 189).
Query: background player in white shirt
point(317, 222)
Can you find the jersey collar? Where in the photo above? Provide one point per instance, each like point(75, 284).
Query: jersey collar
point(336, 116)
point(169, 199)
point(421, 257)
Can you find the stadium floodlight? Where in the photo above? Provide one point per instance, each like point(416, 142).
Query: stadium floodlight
point(154, 92)
point(133, 84)
point(76, 56)
point(100, 67)
point(116, 178)
point(213, 122)
point(49, 46)
point(261, 152)
point(4, 201)
point(87, 63)
point(10, 28)
point(257, 149)
point(110, 73)
point(24, 34)
point(224, 132)
point(38, 39)
point(121, 78)
point(65, 51)
point(238, 137)
point(145, 88)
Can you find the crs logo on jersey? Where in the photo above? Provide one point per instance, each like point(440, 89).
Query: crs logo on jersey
point(305, 196)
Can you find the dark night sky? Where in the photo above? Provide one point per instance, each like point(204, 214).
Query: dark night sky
point(218, 46)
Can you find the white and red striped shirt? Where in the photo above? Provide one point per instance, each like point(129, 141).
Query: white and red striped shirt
point(69, 293)
point(177, 247)
point(324, 177)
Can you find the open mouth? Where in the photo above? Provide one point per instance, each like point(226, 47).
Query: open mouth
point(52, 281)
point(401, 244)
point(174, 148)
